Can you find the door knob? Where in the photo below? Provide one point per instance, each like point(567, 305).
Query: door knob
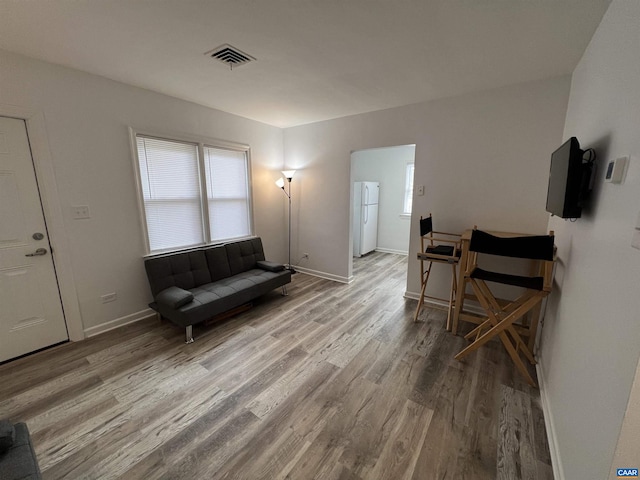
point(37, 253)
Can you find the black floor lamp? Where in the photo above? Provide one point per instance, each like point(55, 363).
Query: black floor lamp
point(288, 174)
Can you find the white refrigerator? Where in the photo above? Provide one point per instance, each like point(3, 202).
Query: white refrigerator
point(365, 217)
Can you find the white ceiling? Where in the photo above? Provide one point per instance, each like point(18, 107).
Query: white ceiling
point(316, 59)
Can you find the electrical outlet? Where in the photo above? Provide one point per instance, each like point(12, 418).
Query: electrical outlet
point(109, 297)
point(305, 255)
point(80, 212)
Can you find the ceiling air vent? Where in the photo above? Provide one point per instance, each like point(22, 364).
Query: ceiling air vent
point(230, 56)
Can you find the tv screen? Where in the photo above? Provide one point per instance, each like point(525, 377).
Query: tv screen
point(569, 179)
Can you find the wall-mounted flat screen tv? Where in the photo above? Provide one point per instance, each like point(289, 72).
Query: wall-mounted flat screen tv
point(569, 178)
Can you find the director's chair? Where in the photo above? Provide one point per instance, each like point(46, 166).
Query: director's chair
point(445, 248)
point(501, 315)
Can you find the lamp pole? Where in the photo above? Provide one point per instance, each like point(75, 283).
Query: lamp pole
point(288, 174)
point(289, 195)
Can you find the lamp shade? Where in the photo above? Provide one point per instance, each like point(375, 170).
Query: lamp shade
point(288, 174)
point(280, 182)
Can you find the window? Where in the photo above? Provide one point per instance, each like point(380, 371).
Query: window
point(192, 193)
point(408, 189)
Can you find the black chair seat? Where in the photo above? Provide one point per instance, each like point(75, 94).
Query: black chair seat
point(447, 250)
point(534, 283)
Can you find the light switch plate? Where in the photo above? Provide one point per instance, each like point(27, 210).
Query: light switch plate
point(420, 190)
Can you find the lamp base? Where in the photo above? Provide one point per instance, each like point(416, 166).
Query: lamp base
point(291, 269)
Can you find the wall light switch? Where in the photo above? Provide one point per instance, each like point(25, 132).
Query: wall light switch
point(420, 190)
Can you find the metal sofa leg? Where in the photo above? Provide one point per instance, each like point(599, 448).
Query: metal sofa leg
point(189, 334)
point(284, 291)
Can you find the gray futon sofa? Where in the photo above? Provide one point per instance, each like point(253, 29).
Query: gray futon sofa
point(191, 287)
point(17, 458)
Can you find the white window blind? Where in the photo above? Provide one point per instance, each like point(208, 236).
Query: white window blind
point(408, 188)
point(192, 194)
point(171, 192)
point(227, 193)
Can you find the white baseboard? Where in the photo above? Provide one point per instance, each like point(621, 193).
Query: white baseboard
point(432, 301)
point(443, 303)
point(390, 250)
point(552, 439)
point(327, 276)
point(411, 295)
point(427, 301)
point(119, 322)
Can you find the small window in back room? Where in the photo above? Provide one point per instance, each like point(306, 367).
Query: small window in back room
point(408, 188)
point(192, 193)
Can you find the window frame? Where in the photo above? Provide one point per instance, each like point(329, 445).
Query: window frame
point(408, 192)
point(201, 142)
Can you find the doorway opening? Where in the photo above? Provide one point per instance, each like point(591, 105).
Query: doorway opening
point(381, 183)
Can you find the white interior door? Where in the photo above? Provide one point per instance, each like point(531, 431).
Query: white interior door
point(31, 315)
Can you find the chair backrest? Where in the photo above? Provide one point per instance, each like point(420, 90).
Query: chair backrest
point(535, 247)
point(426, 225)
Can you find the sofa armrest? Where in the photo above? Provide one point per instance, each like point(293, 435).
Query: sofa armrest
point(174, 297)
point(270, 266)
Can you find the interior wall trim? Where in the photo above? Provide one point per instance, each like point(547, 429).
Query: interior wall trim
point(391, 250)
point(119, 322)
point(469, 305)
point(552, 439)
point(326, 276)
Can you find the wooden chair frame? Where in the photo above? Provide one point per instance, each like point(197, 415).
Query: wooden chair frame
point(430, 258)
point(501, 316)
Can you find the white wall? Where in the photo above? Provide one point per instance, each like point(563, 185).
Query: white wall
point(86, 120)
point(591, 336)
point(387, 166)
point(626, 454)
point(483, 158)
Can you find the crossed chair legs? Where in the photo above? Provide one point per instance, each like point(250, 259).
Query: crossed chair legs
point(500, 322)
point(452, 295)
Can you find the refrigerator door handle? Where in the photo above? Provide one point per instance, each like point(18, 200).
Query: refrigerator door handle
point(366, 214)
point(366, 194)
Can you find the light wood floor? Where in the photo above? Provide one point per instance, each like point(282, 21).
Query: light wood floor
point(333, 382)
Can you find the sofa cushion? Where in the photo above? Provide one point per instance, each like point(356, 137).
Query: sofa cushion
point(174, 297)
point(218, 262)
point(243, 255)
point(184, 270)
point(211, 299)
point(269, 266)
point(7, 435)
